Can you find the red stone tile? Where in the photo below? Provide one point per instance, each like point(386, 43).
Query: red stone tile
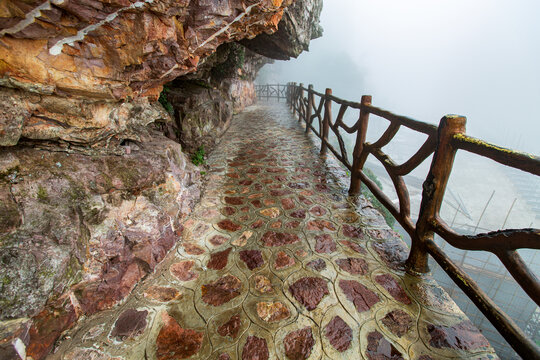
point(255, 348)
point(320, 225)
point(252, 258)
point(353, 232)
point(362, 298)
point(228, 225)
point(231, 200)
point(390, 284)
point(218, 260)
point(309, 291)
point(299, 344)
point(354, 247)
point(182, 270)
point(174, 342)
point(379, 348)
point(462, 336)
point(288, 204)
point(398, 321)
point(129, 324)
point(324, 244)
point(318, 211)
point(218, 240)
point(339, 334)
point(231, 327)
point(354, 266)
point(272, 238)
point(317, 265)
point(221, 291)
point(283, 261)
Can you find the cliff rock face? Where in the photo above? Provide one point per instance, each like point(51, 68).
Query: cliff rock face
point(93, 56)
point(78, 232)
point(299, 25)
point(204, 102)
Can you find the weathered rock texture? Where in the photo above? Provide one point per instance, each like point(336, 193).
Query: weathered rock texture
point(203, 103)
point(78, 232)
point(299, 25)
point(80, 67)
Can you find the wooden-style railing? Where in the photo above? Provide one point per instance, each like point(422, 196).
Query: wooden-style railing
point(267, 92)
point(443, 142)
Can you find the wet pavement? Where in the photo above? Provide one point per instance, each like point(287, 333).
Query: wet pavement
point(276, 262)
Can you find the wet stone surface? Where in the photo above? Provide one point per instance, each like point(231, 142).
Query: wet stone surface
point(298, 344)
point(221, 291)
point(317, 265)
point(255, 348)
point(339, 334)
point(276, 262)
point(309, 291)
point(379, 348)
point(175, 342)
point(398, 321)
point(129, 324)
point(231, 327)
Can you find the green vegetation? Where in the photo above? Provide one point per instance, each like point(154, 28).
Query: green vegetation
point(390, 220)
point(235, 60)
point(164, 101)
point(198, 157)
point(42, 194)
point(202, 83)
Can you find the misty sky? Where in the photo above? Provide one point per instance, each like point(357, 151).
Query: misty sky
point(427, 58)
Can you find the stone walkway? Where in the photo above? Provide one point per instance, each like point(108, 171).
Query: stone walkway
point(276, 263)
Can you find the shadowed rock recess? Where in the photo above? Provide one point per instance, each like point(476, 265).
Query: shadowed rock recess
point(102, 103)
point(264, 288)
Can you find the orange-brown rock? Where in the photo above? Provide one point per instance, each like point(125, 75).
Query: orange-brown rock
point(231, 327)
point(338, 333)
point(263, 284)
point(272, 311)
point(298, 344)
point(174, 342)
point(221, 291)
point(309, 291)
point(120, 49)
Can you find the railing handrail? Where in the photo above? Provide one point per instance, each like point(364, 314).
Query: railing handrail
point(442, 141)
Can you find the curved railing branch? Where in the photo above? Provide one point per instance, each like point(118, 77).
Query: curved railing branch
point(419, 157)
point(502, 240)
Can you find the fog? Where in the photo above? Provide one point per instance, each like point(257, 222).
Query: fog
point(425, 58)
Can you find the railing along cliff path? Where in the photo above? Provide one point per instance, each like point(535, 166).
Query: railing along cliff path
point(443, 142)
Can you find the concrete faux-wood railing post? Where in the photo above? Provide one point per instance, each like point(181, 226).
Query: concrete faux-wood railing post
point(300, 100)
point(309, 110)
point(326, 121)
point(358, 159)
point(434, 188)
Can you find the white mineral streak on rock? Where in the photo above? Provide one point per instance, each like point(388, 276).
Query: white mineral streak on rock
point(221, 31)
point(20, 348)
point(169, 71)
point(31, 17)
point(56, 49)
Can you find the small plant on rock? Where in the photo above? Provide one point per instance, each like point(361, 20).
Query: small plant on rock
point(164, 101)
point(198, 157)
point(42, 194)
